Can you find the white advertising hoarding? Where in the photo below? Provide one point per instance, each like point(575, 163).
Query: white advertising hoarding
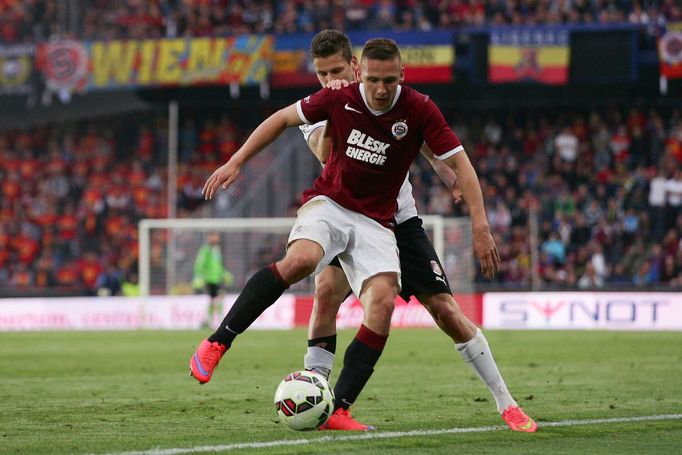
point(583, 310)
point(125, 313)
point(405, 314)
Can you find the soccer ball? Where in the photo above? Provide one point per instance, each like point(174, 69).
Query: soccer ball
point(304, 400)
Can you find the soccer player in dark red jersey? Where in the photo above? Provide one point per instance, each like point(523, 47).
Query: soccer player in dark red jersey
point(335, 64)
point(377, 129)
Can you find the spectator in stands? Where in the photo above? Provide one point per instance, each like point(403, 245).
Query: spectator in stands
point(33, 20)
point(673, 188)
point(109, 281)
point(566, 145)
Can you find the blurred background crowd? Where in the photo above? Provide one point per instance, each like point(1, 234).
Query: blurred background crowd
point(605, 186)
point(603, 183)
point(33, 20)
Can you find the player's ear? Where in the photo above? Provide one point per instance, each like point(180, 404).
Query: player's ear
point(355, 66)
point(402, 74)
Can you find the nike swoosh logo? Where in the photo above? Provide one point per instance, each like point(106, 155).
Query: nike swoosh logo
point(526, 426)
point(348, 108)
point(199, 366)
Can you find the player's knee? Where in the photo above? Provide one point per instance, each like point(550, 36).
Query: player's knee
point(442, 306)
point(382, 306)
point(295, 267)
point(326, 293)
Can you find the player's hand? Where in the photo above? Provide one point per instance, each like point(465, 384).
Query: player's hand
point(223, 177)
point(457, 193)
point(486, 251)
point(337, 84)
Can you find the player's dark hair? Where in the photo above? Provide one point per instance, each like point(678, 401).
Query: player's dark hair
point(329, 42)
point(380, 49)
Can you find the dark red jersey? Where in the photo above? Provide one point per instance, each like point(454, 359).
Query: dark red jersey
point(372, 152)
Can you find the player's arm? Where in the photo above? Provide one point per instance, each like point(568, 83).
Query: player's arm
point(446, 174)
point(484, 244)
point(264, 134)
point(319, 143)
point(319, 140)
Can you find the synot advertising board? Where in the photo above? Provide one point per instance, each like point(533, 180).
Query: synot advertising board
point(583, 310)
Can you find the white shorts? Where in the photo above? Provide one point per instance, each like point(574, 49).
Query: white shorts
point(363, 246)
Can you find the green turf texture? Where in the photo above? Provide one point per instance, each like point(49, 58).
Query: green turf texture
point(109, 392)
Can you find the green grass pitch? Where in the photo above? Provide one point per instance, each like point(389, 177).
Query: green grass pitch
point(114, 392)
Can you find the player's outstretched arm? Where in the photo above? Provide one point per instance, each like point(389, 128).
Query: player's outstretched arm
point(446, 174)
point(484, 244)
point(263, 135)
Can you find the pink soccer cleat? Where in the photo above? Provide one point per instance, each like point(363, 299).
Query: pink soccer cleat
point(205, 359)
point(341, 420)
point(517, 420)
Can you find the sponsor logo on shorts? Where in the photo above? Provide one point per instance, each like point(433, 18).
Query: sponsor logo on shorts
point(437, 271)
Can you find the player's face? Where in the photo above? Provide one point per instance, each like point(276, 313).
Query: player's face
point(381, 79)
point(333, 67)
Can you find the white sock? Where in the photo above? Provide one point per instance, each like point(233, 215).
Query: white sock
point(320, 360)
point(476, 353)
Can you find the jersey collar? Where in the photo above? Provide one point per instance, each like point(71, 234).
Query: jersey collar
point(375, 112)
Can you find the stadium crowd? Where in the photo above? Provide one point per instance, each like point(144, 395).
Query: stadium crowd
point(605, 185)
point(73, 194)
point(35, 20)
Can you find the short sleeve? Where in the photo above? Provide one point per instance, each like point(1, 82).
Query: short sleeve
point(437, 133)
point(316, 107)
point(307, 130)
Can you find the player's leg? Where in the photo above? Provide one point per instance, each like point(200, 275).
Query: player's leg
point(378, 300)
point(331, 289)
point(372, 267)
point(314, 234)
point(423, 277)
point(260, 292)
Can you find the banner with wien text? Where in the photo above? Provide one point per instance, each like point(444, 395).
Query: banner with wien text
point(670, 51)
point(529, 54)
point(244, 60)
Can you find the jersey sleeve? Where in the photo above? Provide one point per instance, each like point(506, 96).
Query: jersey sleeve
point(307, 130)
point(316, 107)
point(437, 133)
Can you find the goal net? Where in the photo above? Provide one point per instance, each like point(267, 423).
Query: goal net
point(168, 249)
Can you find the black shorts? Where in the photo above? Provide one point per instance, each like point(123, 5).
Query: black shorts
point(421, 270)
point(212, 289)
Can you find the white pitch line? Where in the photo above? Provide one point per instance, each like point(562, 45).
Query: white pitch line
point(388, 435)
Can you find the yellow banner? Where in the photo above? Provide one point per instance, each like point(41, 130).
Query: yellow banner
point(184, 61)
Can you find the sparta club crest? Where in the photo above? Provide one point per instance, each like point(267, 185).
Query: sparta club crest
point(399, 129)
